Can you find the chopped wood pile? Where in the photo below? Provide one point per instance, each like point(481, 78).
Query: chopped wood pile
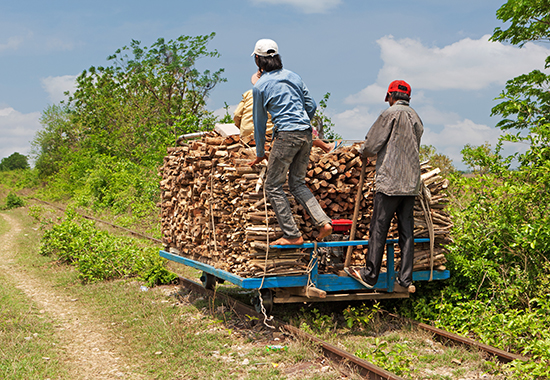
point(213, 208)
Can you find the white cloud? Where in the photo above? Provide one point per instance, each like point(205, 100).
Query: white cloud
point(12, 43)
point(17, 130)
point(220, 112)
point(306, 6)
point(434, 116)
point(354, 124)
point(373, 94)
point(59, 44)
point(56, 86)
point(469, 65)
point(454, 136)
point(464, 65)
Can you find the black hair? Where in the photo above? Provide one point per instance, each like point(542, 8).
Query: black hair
point(269, 63)
point(396, 95)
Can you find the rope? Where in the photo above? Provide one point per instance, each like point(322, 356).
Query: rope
point(310, 266)
point(262, 308)
point(213, 231)
point(429, 222)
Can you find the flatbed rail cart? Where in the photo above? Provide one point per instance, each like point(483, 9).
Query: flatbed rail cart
point(313, 286)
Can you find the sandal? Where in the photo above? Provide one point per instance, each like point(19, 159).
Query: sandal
point(354, 273)
point(397, 287)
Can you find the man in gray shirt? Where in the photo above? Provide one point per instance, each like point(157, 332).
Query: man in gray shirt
point(395, 139)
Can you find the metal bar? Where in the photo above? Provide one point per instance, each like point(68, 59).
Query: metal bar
point(102, 221)
point(365, 368)
point(340, 297)
point(502, 355)
point(188, 136)
point(344, 243)
point(390, 265)
point(328, 282)
point(424, 275)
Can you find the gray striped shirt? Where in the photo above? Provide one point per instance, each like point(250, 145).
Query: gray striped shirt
point(395, 139)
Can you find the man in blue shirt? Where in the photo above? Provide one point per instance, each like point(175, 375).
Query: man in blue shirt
point(284, 95)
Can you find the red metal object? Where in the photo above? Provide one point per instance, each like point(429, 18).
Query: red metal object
point(339, 225)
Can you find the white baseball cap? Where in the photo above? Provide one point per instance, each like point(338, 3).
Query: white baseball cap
point(265, 48)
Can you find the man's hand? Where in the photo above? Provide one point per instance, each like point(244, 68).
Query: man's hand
point(257, 160)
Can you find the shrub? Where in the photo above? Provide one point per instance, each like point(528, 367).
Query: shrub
point(13, 201)
point(99, 256)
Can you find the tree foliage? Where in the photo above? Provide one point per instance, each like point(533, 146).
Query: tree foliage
point(104, 145)
point(438, 160)
point(529, 20)
point(480, 159)
point(13, 162)
point(501, 235)
point(323, 123)
point(525, 102)
point(55, 142)
point(145, 99)
point(502, 226)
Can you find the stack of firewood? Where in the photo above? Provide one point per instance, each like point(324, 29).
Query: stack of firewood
point(213, 208)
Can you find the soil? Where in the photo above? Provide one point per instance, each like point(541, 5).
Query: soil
point(88, 346)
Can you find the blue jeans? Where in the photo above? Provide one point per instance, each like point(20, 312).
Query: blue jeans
point(290, 155)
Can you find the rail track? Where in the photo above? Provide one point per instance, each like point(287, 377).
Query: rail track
point(346, 362)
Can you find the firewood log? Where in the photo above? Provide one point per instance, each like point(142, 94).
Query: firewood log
point(212, 206)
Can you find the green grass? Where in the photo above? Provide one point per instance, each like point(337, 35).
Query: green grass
point(28, 345)
point(164, 335)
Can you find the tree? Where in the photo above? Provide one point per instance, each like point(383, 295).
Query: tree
point(501, 236)
point(147, 98)
point(323, 123)
point(53, 144)
point(502, 224)
point(478, 158)
point(13, 162)
point(525, 104)
point(529, 21)
point(438, 160)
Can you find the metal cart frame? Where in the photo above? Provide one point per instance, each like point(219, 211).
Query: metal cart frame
point(291, 288)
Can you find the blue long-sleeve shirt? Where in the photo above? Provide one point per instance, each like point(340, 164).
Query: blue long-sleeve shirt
point(284, 95)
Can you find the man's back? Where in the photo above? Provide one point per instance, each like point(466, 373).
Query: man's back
point(395, 139)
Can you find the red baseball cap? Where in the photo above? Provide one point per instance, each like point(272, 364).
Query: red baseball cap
point(398, 86)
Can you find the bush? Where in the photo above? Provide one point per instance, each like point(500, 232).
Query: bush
point(100, 256)
point(14, 162)
point(13, 201)
point(501, 238)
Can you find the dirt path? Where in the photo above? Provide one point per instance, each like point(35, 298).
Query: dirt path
point(90, 348)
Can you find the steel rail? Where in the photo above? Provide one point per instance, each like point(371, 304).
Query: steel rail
point(378, 373)
point(340, 357)
point(503, 356)
point(101, 221)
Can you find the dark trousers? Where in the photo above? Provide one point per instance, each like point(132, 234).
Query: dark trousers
point(384, 209)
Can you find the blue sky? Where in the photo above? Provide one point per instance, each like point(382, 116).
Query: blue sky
point(350, 48)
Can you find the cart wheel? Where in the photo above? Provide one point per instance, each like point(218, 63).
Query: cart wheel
point(208, 281)
point(267, 298)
